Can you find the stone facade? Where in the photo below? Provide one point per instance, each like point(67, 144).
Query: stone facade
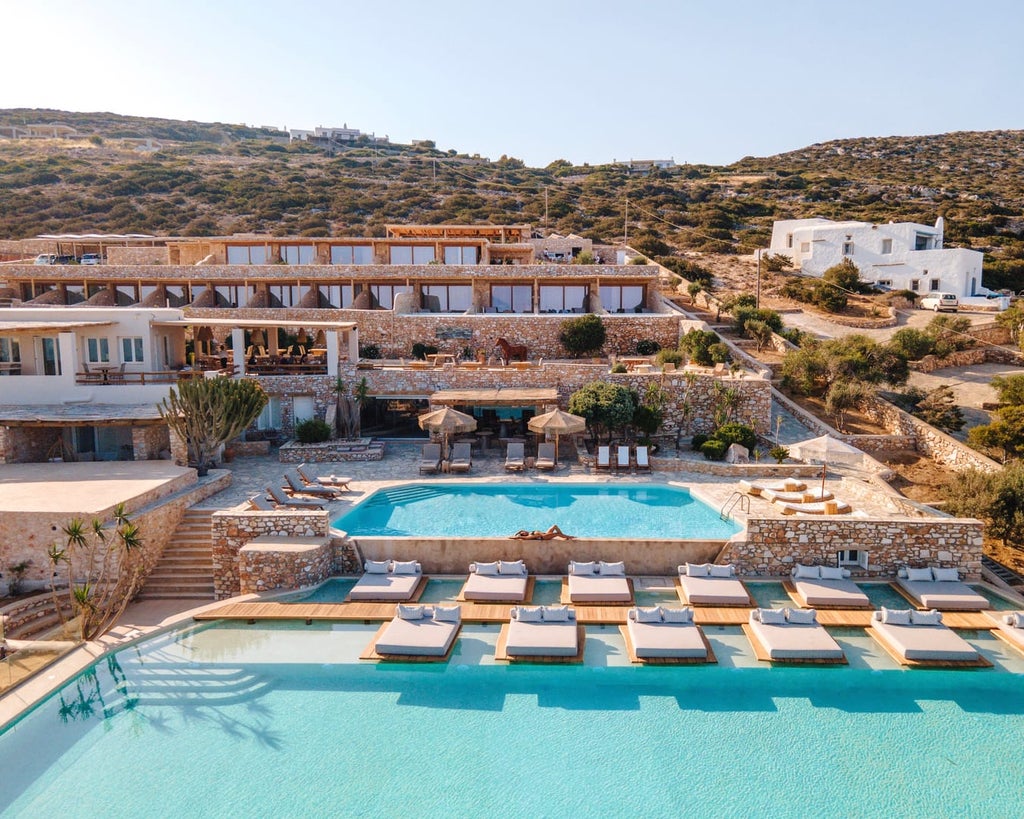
point(149, 441)
point(269, 563)
point(233, 529)
point(20, 445)
point(774, 545)
point(136, 255)
point(329, 452)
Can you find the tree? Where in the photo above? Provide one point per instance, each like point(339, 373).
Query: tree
point(696, 344)
point(693, 288)
point(994, 497)
point(845, 276)
point(759, 331)
point(650, 410)
point(1013, 320)
point(817, 365)
point(939, 408)
point(582, 335)
point(208, 412)
point(105, 570)
point(1010, 388)
point(776, 262)
point(606, 407)
point(844, 396)
point(1004, 436)
point(350, 407)
point(911, 343)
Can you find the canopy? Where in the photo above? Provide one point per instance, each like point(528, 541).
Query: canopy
point(827, 450)
point(446, 421)
point(558, 423)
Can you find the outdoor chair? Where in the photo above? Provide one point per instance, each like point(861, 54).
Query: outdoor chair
point(622, 457)
point(546, 456)
point(297, 487)
point(515, 457)
point(299, 503)
point(430, 458)
point(604, 458)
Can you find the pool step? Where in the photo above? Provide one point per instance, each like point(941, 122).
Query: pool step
point(1004, 573)
point(185, 569)
point(404, 494)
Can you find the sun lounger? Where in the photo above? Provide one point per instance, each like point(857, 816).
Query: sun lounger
point(338, 482)
point(604, 458)
point(807, 496)
point(791, 635)
point(502, 580)
point(1011, 629)
point(542, 631)
point(662, 633)
point(299, 487)
point(515, 457)
point(298, 503)
point(935, 588)
point(919, 637)
point(419, 631)
point(430, 458)
point(261, 504)
point(462, 458)
point(757, 487)
point(622, 458)
point(598, 583)
point(643, 459)
point(546, 456)
point(827, 587)
point(388, 580)
point(707, 584)
point(830, 507)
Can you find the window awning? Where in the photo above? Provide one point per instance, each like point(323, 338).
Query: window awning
point(36, 415)
point(500, 397)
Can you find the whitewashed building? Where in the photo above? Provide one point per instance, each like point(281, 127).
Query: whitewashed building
point(902, 256)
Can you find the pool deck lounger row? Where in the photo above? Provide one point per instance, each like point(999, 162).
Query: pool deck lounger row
point(541, 634)
point(920, 638)
point(792, 636)
point(662, 635)
point(421, 632)
point(825, 587)
point(931, 588)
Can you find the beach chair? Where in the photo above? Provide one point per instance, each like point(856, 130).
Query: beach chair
point(261, 504)
point(338, 482)
point(622, 458)
point(515, 457)
point(298, 503)
point(462, 459)
point(643, 459)
point(430, 458)
point(546, 456)
point(298, 487)
point(604, 458)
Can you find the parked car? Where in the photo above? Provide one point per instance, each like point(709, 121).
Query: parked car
point(91, 258)
point(53, 258)
point(941, 301)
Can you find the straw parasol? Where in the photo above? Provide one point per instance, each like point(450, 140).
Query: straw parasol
point(204, 334)
point(557, 422)
point(446, 421)
point(258, 337)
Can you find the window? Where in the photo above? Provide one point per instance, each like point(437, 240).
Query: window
point(922, 241)
point(283, 295)
point(805, 247)
point(512, 298)
point(562, 299)
point(852, 557)
point(131, 349)
point(451, 298)
point(336, 295)
point(231, 295)
point(886, 247)
point(460, 255)
point(351, 254)
point(933, 285)
point(915, 285)
point(847, 248)
point(49, 352)
point(385, 294)
point(417, 254)
point(789, 240)
point(624, 299)
point(247, 254)
point(10, 351)
point(97, 350)
point(298, 254)
point(270, 417)
point(303, 408)
point(885, 282)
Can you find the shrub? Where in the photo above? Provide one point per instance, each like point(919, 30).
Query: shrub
point(312, 431)
point(582, 335)
point(844, 275)
point(421, 351)
point(667, 356)
point(647, 346)
point(719, 353)
point(714, 450)
point(697, 344)
point(742, 314)
point(776, 262)
point(736, 434)
point(638, 260)
point(618, 367)
point(698, 441)
point(584, 257)
point(829, 298)
point(779, 453)
point(911, 343)
point(371, 351)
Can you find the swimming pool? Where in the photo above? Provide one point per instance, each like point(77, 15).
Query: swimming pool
point(236, 720)
point(590, 510)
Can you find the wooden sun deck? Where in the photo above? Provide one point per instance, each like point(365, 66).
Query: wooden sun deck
point(370, 652)
point(631, 652)
point(893, 652)
point(501, 650)
point(761, 652)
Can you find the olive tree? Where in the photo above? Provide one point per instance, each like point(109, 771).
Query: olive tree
point(606, 407)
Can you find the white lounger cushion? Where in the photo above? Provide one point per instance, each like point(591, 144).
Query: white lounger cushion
point(385, 587)
point(945, 595)
point(406, 567)
point(377, 566)
point(946, 575)
point(528, 614)
point(926, 618)
point(677, 615)
point(1015, 619)
point(695, 569)
point(1011, 627)
point(715, 570)
point(925, 642)
point(801, 617)
point(577, 568)
point(612, 569)
point(448, 614)
point(666, 639)
point(895, 617)
point(495, 587)
point(832, 573)
point(428, 637)
point(537, 638)
point(488, 569)
point(512, 567)
point(793, 641)
point(599, 589)
point(645, 615)
point(410, 612)
point(721, 591)
point(801, 572)
point(921, 575)
point(556, 614)
point(837, 593)
point(770, 617)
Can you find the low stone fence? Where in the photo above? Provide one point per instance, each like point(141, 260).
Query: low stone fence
point(270, 563)
point(865, 322)
point(242, 449)
point(967, 358)
point(329, 452)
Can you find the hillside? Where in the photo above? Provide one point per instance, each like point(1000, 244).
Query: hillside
point(209, 178)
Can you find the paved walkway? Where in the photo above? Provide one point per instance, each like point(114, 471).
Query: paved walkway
point(820, 326)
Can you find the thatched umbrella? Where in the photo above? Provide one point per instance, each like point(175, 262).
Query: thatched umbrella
point(558, 423)
point(205, 334)
point(446, 421)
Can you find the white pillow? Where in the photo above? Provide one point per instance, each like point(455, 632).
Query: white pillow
point(406, 567)
point(697, 569)
point(447, 614)
point(802, 617)
point(772, 617)
point(377, 566)
point(511, 567)
point(919, 575)
point(582, 568)
point(721, 571)
point(896, 617)
point(487, 569)
point(528, 614)
point(556, 614)
point(832, 573)
point(806, 572)
point(612, 569)
point(410, 612)
point(651, 615)
point(926, 618)
point(946, 575)
point(1015, 619)
point(677, 615)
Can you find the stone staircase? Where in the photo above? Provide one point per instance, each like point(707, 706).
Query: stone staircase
point(186, 568)
point(35, 617)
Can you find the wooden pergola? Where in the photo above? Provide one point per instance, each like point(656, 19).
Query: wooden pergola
point(496, 397)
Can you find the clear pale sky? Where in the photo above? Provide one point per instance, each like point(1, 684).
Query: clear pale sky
point(584, 81)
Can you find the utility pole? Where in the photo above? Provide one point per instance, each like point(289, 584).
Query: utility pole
point(757, 301)
point(545, 207)
point(625, 224)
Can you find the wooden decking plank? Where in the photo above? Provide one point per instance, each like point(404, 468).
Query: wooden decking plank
point(762, 653)
point(891, 650)
point(631, 652)
point(501, 650)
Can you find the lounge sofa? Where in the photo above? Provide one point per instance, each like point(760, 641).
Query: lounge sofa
point(920, 637)
point(936, 588)
point(827, 587)
point(660, 633)
point(598, 583)
point(1011, 629)
point(420, 631)
point(542, 631)
point(710, 584)
point(791, 635)
point(388, 580)
point(497, 581)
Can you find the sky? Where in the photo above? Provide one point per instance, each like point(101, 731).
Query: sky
point(695, 81)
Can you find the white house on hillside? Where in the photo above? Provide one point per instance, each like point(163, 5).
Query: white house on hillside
point(903, 256)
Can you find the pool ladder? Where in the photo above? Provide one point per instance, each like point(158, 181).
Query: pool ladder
point(736, 497)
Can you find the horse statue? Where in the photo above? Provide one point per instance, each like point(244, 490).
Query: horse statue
point(511, 352)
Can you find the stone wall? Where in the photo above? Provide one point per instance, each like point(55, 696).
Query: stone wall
point(136, 255)
point(774, 545)
point(966, 358)
point(333, 451)
point(149, 441)
point(24, 445)
point(266, 564)
point(232, 529)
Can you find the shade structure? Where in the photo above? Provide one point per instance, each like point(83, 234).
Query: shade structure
point(258, 337)
point(321, 339)
point(204, 334)
point(827, 449)
point(302, 338)
point(446, 421)
point(557, 422)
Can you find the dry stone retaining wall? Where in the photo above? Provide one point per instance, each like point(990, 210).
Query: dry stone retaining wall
point(262, 567)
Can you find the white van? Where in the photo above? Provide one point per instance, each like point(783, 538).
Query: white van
point(940, 301)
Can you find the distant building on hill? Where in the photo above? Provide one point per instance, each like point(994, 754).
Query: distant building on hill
point(898, 255)
point(645, 166)
point(324, 134)
point(53, 130)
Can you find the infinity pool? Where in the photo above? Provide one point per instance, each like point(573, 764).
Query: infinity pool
point(236, 720)
point(590, 510)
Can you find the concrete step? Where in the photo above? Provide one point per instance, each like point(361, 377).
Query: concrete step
point(178, 592)
point(35, 627)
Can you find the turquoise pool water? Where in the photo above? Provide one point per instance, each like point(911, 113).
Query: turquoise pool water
point(641, 511)
point(237, 721)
